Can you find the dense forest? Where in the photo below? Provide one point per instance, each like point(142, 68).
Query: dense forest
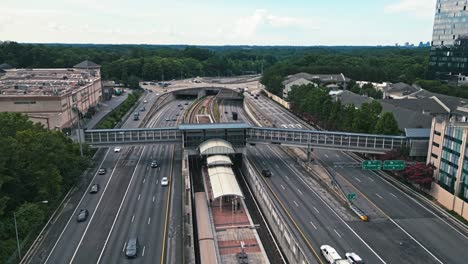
point(317, 107)
point(36, 165)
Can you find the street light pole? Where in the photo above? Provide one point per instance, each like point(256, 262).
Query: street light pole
point(17, 236)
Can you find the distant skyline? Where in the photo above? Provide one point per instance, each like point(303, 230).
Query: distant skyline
point(211, 22)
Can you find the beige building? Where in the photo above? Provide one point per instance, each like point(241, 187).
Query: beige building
point(315, 79)
point(52, 97)
point(448, 153)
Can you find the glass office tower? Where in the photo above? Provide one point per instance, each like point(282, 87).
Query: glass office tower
point(449, 52)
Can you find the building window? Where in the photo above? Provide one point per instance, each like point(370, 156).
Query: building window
point(434, 156)
point(437, 133)
point(25, 102)
point(435, 144)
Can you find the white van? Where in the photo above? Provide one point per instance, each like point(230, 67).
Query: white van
point(331, 255)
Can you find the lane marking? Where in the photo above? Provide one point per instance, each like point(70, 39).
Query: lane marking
point(156, 181)
point(379, 196)
point(316, 210)
point(125, 244)
point(337, 155)
point(282, 187)
point(357, 179)
point(295, 203)
point(326, 156)
point(78, 206)
point(143, 253)
point(313, 225)
point(393, 195)
point(144, 180)
point(286, 176)
point(370, 179)
point(120, 206)
point(299, 191)
point(149, 220)
point(133, 218)
point(337, 233)
point(139, 196)
point(153, 198)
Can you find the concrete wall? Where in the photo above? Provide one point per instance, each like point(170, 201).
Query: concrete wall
point(277, 99)
point(279, 226)
point(450, 201)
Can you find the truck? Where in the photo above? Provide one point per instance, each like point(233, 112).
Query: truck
point(234, 116)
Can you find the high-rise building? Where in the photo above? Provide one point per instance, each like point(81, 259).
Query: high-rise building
point(449, 52)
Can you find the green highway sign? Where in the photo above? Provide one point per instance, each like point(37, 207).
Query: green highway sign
point(394, 165)
point(371, 165)
point(351, 196)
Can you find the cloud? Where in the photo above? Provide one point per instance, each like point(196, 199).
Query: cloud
point(418, 8)
point(248, 27)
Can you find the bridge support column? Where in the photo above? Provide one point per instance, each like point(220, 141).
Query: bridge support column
point(309, 155)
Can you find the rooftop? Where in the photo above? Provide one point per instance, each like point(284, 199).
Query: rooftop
point(321, 77)
point(214, 126)
point(87, 65)
point(45, 82)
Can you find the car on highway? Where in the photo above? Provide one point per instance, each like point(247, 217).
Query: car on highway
point(177, 114)
point(354, 258)
point(154, 164)
point(330, 254)
point(179, 105)
point(145, 101)
point(82, 215)
point(102, 171)
point(266, 173)
point(117, 149)
point(164, 181)
point(186, 103)
point(174, 119)
point(131, 251)
point(167, 119)
point(142, 109)
point(94, 188)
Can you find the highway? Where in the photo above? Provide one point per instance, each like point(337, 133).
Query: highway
point(131, 202)
point(404, 231)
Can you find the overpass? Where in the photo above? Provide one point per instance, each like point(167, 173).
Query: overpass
point(240, 134)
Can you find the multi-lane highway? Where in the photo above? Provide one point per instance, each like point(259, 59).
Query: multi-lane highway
point(404, 231)
point(131, 203)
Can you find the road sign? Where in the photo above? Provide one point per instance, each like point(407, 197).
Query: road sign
point(394, 165)
point(351, 196)
point(371, 165)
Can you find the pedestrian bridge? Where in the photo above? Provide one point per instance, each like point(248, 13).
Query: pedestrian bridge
point(240, 134)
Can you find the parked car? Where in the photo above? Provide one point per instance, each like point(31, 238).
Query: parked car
point(164, 181)
point(354, 258)
point(131, 250)
point(94, 188)
point(117, 149)
point(82, 215)
point(154, 164)
point(102, 171)
point(266, 173)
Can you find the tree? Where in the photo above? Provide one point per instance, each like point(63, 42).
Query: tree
point(419, 173)
point(387, 125)
point(133, 82)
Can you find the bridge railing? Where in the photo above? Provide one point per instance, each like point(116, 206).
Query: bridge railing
point(142, 135)
point(312, 138)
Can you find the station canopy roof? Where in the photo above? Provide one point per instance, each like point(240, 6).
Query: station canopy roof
point(216, 147)
point(223, 182)
point(217, 160)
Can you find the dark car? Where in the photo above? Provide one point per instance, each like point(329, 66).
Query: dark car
point(132, 248)
point(94, 188)
point(186, 103)
point(167, 119)
point(142, 109)
point(154, 164)
point(266, 173)
point(82, 215)
point(102, 171)
point(174, 119)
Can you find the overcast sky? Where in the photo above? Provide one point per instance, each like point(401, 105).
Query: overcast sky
point(217, 22)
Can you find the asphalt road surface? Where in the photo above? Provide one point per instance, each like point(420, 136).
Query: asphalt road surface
point(406, 232)
point(131, 202)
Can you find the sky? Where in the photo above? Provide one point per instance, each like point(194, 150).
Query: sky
point(218, 22)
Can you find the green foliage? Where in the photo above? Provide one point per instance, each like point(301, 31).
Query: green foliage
point(35, 165)
point(442, 88)
point(315, 105)
point(116, 115)
point(359, 63)
point(367, 89)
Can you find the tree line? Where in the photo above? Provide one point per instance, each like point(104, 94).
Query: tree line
point(316, 106)
point(35, 165)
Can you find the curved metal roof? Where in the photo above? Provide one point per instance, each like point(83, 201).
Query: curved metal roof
point(216, 147)
point(218, 160)
point(223, 182)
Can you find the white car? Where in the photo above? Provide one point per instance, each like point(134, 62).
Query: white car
point(164, 181)
point(117, 149)
point(330, 254)
point(145, 101)
point(354, 258)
